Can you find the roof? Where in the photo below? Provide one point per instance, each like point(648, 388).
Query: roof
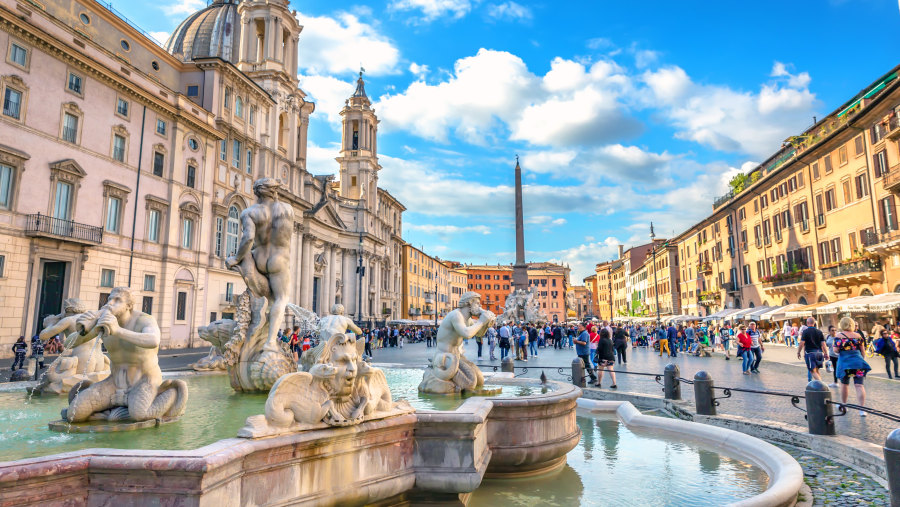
point(360, 88)
point(212, 31)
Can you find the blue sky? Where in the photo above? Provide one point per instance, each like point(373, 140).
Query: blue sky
point(621, 112)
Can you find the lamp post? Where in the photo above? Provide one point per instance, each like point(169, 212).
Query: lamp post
point(360, 271)
point(655, 282)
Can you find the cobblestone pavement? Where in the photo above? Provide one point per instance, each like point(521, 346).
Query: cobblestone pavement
point(833, 484)
point(779, 376)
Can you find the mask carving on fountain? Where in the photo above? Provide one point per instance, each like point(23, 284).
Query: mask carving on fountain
point(254, 356)
point(340, 389)
point(134, 390)
point(450, 371)
point(86, 362)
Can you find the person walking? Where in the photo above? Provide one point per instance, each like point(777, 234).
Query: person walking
point(756, 347)
point(745, 343)
point(368, 337)
point(786, 333)
point(672, 335)
point(662, 337)
point(726, 340)
point(505, 335)
point(582, 350)
point(523, 342)
point(620, 343)
point(832, 354)
point(492, 341)
point(851, 364)
point(605, 359)
point(478, 343)
point(533, 340)
point(812, 341)
point(595, 339)
point(37, 350)
point(690, 334)
point(885, 346)
point(20, 349)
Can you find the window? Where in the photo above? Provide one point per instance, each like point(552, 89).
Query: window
point(12, 103)
point(830, 200)
point(161, 127)
point(62, 205)
point(232, 231)
point(229, 291)
point(125, 45)
point(842, 155)
point(249, 161)
point(187, 233)
point(159, 162)
point(191, 176)
point(815, 170)
point(122, 107)
point(70, 128)
point(193, 144)
point(251, 116)
point(760, 268)
point(193, 91)
point(862, 186)
point(858, 144)
point(2, 265)
point(227, 98)
point(238, 107)
point(223, 150)
point(763, 201)
point(6, 186)
point(107, 278)
point(836, 250)
point(220, 225)
point(181, 306)
point(236, 153)
point(878, 131)
point(153, 226)
point(147, 305)
point(113, 209)
point(119, 147)
point(149, 283)
point(848, 194)
point(828, 167)
point(888, 211)
point(880, 163)
point(75, 84)
point(18, 55)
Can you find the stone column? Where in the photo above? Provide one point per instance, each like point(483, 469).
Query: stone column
point(297, 262)
point(305, 274)
point(247, 38)
point(278, 41)
point(267, 41)
point(295, 54)
point(347, 274)
point(330, 277)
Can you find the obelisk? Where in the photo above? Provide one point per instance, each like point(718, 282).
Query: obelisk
point(520, 269)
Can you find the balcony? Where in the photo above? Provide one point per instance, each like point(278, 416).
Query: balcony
point(853, 272)
point(44, 226)
point(884, 242)
point(732, 287)
point(893, 127)
point(788, 283)
point(704, 267)
point(710, 297)
point(891, 180)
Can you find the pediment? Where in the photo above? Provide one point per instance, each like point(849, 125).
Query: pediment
point(325, 213)
point(69, 166)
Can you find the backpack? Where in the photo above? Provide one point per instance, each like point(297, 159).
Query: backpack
point(881, 346)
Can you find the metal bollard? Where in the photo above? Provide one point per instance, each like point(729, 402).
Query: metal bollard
point(703, 393)
point(578, 372)
point(892, 464)
point(819, 413)
point(671, 385)
point(507, 365)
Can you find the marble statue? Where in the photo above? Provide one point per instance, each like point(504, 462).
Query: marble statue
point(217, 333)
point(75, 365)
point(450, 371)
point(135, 389)
point(254, 355)
point(338, 390)
point(330, 325)
point(523, 306)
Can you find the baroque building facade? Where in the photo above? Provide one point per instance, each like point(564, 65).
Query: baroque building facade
point(123, 163)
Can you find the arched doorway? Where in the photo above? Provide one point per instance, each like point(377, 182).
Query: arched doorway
point(183, 309)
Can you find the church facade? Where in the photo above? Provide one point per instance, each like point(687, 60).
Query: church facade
point(123, 163)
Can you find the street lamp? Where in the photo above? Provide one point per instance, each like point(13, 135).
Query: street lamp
point(360, 271)
point(655, 281)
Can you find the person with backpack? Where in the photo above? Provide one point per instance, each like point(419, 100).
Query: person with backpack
point(812, 341)
point(37, 350)
point(505, 334)
point(886, 346)
point(20, 349)
point(620, 344)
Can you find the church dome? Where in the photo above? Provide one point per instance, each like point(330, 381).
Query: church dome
point(210, 32)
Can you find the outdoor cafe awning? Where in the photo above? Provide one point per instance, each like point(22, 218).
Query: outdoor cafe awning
point(778, 312)
point(722, 314)
point(804, 311)
point(875, 304)
point(756, 313)
point(833, 308)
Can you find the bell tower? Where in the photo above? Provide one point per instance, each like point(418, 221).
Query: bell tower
point(269, 34)
point(359, 148)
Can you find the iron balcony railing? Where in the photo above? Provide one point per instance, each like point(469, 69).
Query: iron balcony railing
point(50, 226)
point(883, 236)
point(891, 180)
point(852, 268)
point(788, 279)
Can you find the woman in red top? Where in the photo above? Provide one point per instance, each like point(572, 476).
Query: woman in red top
point(744, 345)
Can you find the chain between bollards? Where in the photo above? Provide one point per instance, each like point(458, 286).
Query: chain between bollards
point(819, 412)
point(671, 385)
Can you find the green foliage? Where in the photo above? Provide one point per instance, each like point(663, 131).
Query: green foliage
point(738, 183)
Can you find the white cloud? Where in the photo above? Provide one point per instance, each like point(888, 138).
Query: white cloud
point(493, 92)
point(590, 165)
point(733, 120)
point(420, 71)
point(434, 9)
point(160, 37)
point(320, 159)
point(644, 58)
point(584, 257)
point(329, 94)
point(509, 11)
point(599, 43)
point(545, 220)
point(183, 7)
point(446, 230)
point(341, 44)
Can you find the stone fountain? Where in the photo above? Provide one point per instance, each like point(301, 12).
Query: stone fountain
point(522, 306)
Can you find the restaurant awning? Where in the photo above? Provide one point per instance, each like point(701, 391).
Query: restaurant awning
point(803, 311)
point(777, 313)
point(875, 304)
point(833, 308)
point(721, 314)
point(742, 314)
point(756, 313)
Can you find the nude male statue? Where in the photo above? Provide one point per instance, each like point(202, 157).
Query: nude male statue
point(263, 256)
point(450, 371)
point(135, 388)
point(330, 325)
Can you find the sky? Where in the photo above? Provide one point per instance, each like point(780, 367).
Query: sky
point(622, 113)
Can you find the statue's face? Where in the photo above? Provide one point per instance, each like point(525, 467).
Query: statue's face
point(475, 307)
point(343, 359)
point(117, 304)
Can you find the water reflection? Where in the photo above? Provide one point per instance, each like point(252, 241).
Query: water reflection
point(562, 487)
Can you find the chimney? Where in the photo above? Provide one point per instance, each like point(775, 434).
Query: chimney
point(621, 251)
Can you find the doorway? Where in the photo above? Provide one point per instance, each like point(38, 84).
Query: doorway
point(53, 282)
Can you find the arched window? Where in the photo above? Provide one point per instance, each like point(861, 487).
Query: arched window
point(865, 292)
point(232, 231)
point(823, 298)
point(802, 301)
point(281, 130)
point(239, 107)
point(785, 302)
